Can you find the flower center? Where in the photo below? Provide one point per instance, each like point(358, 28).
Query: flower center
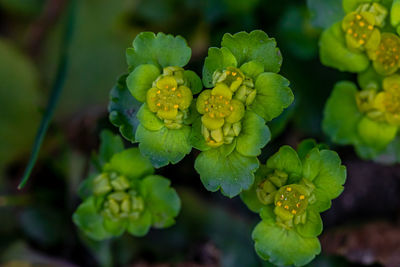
point(291, 198)
point(123, 204)
point(388, 54)
point(167, 97)
point(232, 77)
point(359, 28)
point(218, 106)
point(391, 100)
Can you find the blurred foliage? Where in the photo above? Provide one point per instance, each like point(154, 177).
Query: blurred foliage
point(19, 100)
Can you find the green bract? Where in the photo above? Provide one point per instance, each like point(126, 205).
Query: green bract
point(289, 192)
point(124, 195)
point(366, 33)
point(245, 92)
point(368, 119)
point(158, 81)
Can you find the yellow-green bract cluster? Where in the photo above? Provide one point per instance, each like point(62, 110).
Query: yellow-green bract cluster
point(367, 42)
point(124, 194)
point(289, 193)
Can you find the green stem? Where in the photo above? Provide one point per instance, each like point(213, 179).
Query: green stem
point(55, 93)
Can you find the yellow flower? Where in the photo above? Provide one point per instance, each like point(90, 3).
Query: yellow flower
point(388, 101)
point(386, 58)
point(167, 98)
point(360, 31)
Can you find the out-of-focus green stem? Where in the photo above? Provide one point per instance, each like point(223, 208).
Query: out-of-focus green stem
point(55, 92)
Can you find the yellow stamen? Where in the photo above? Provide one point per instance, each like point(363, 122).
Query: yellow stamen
point(234, 73)
point(358, 17)
point(362, 24)
point(370, 27)
point(173, 88)
point(361, 42)
point(289, 189)
point(349, 31)
point(302, 197)
point(294, 211)
point(158, 104)
point(286, 207)
point(279, 203)
point(158, 92)
point(298, 205)
point(176, 106)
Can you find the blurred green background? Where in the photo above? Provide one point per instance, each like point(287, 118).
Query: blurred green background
point(36, 229)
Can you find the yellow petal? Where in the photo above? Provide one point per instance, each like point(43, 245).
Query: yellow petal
point(212, 123)
point(151, 99)
point(222, 89)
point(166, 82)
point(186, 97)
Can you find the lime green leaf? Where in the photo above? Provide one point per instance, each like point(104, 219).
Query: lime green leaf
point(123, 108)
point(164, 146)
point(114, 226)
point(197, 140)
point(341, 115)
point(148, 119)
point(376, 134)
point(140, 80)
point(369, 79)
point(273, 95)
point(141, 225)
point(217, 59)
point(284, 247)
point(231, 174)
point(161, 50)
point(311, 164)
point(110, 144)
point(330, 179)
point(286, 160)
point(90, 221)
point(255, 45)
point(351, 5)
point(252, 69)
point(395, 13)
point(161, 200)
point(312, 227)
point(130, 163)
point(334, 52)
point(253, 136)
point(249, 197)
point(304, 147)
point(193, 81)
point(325, 13)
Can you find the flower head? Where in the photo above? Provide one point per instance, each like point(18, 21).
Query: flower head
point(360, 31)
point(289, 193)
point(388, 101)
point(124, 195)
point(386, 57)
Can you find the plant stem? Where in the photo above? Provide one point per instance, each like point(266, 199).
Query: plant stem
point(55, 93)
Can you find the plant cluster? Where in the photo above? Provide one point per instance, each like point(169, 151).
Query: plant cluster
point(366, 41)
point(168, 110)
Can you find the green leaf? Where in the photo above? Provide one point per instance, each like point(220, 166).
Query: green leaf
point(255, 45)
point(304, 147)
point(141, 225)
point(253, 136)
point(334, 52)
point(369, 79)
point(376, 134)
point(141, 79)
point(231, 174)
point(252, 69)
point(148, 119)
point(164, 146)
point(273, 95)
point(341, 114)
point(161, 50)
point(110, 144)
point(287, 160)
point(193, 81)
point(330, 178)
point(217, 59)
point(313, 226)
point(90, 221)
point(284, 247)
point(395, 13)
point(325, 13)
point(161, 200)
point(130, 163)
point(249, 197)
point(123, 108)
point(196, 138)
point(115, 226)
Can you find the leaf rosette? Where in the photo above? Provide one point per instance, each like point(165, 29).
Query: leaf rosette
point(290, 192)
point(124, 195)
point(244, 93)
point(164, 89)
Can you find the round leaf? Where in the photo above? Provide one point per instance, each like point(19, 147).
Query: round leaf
point(140, 80)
